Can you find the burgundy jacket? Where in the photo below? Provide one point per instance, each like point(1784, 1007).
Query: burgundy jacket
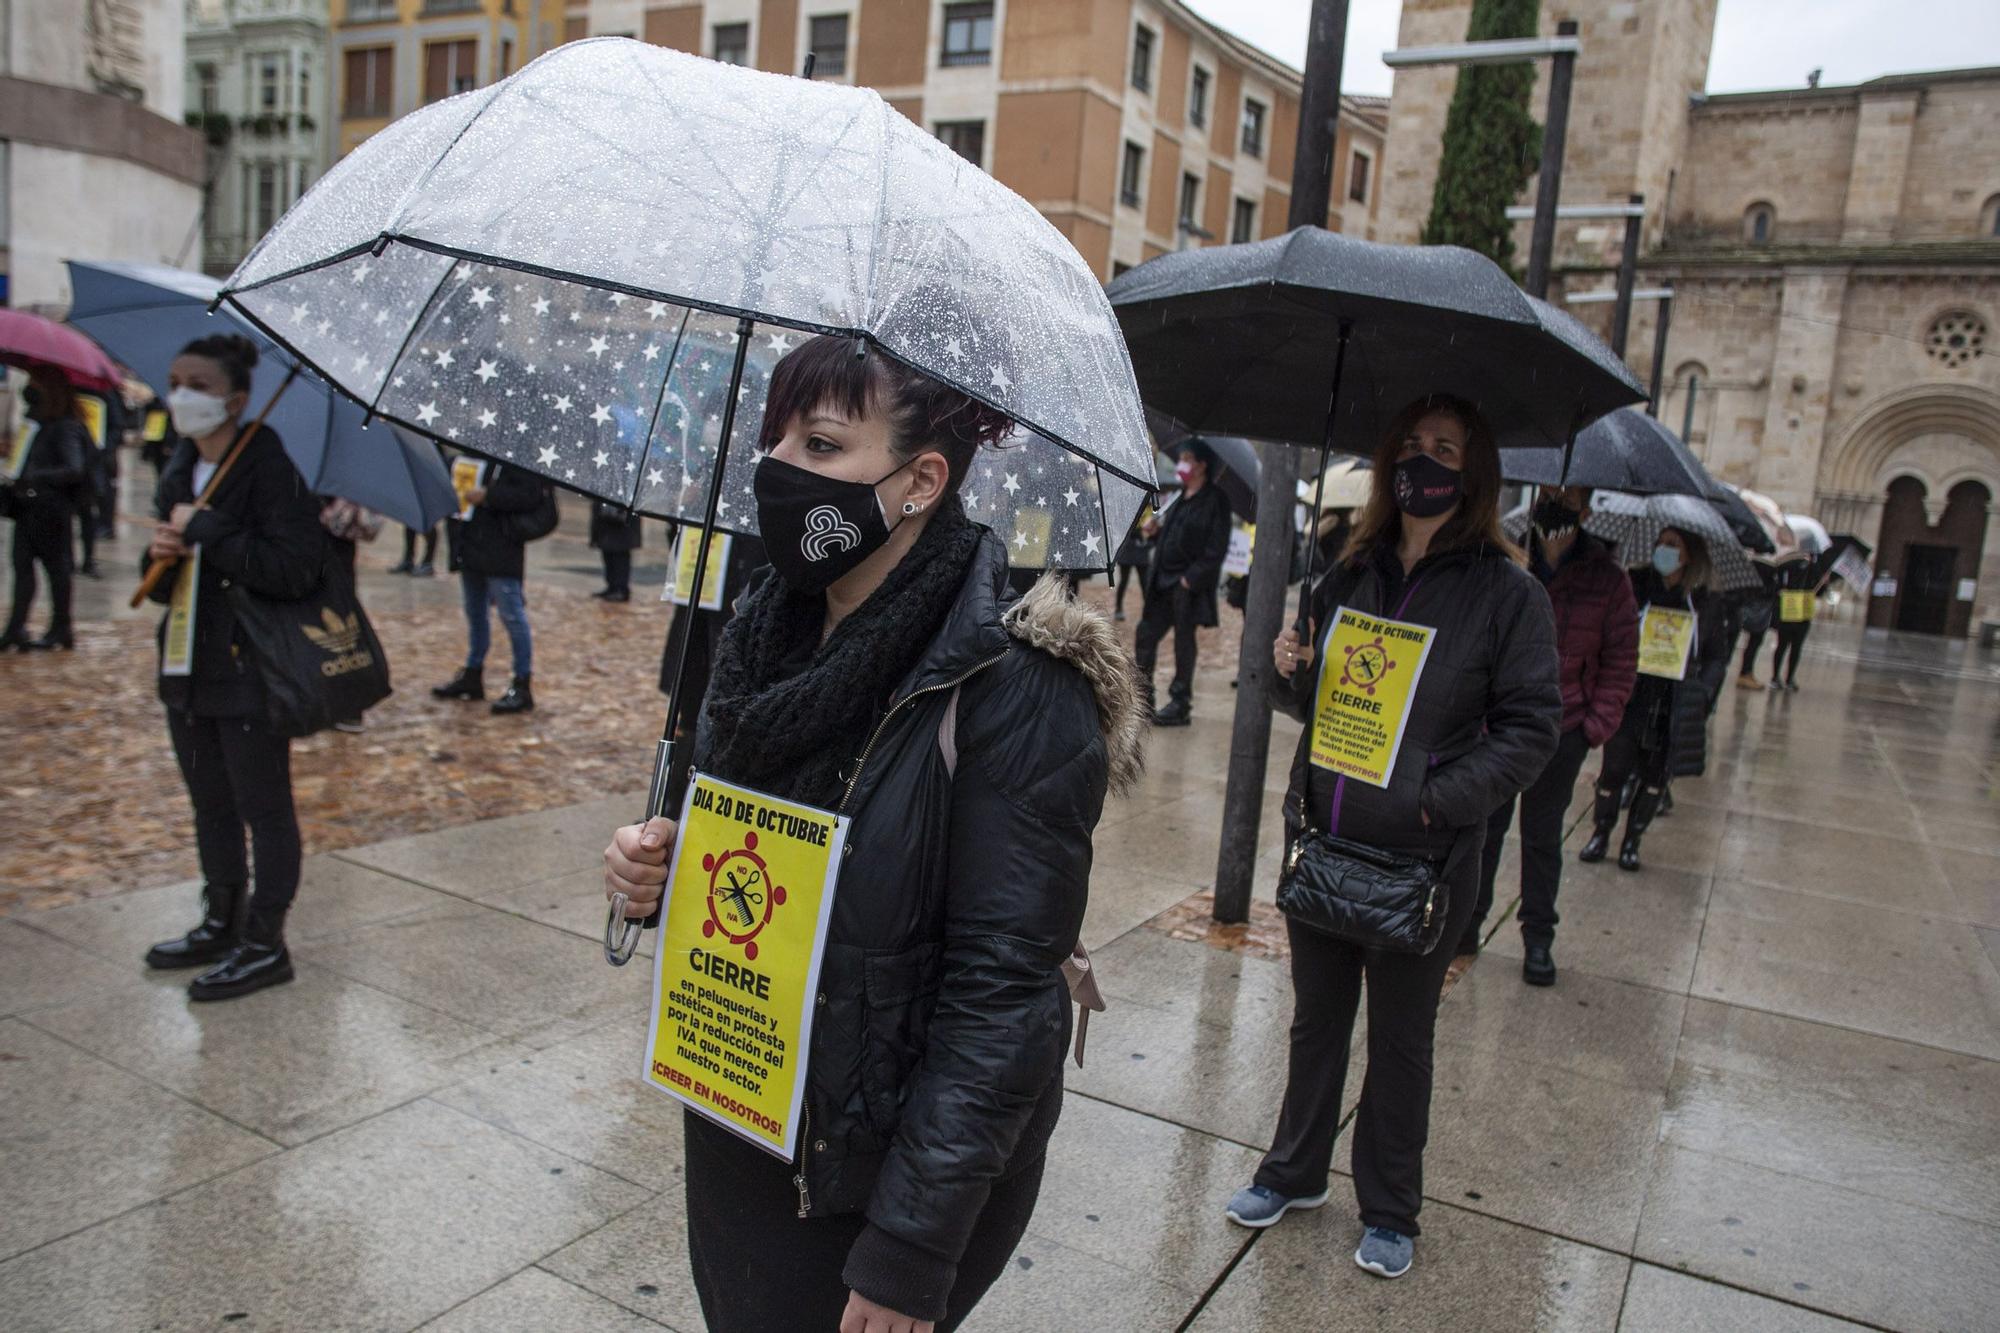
point(1597, 638)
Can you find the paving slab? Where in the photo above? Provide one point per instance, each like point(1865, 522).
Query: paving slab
point(1660, 1301)
point(291, 1062)
point(1644, 928)
point(1835, 1250)
point(1584, 1025)
point(82, 1140)
point(38, 970)
point(640, 1261)
point(1869, 867)
point(536, 1300)
point(1471, 1271)
point(511, 976)
point(346, 1232)
point(477, 860)
point(1049, 1286)
point(574, 903)
point(1918, 978)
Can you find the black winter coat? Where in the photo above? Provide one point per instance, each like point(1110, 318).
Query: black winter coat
point(615, 529)
point(261, 529)
point(943, 1016)
point(481, 544)
point(1487, 712)
point(1193, 543)
point(54, 473)
point(1675, 713)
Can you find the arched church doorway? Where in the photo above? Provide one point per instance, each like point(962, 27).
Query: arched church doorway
point(1927, 572)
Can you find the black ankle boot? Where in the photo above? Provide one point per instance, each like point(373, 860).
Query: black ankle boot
point(209, 942)
point(469, 683)
point(1604, 818)
point(260, 959)
point(1178, 712)
point(1644, 806)
point(55, 638)
point(519, 698)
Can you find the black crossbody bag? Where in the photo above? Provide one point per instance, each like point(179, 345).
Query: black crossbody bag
point(1367, 896)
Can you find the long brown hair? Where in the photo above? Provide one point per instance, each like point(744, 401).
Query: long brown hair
point(1477, 522)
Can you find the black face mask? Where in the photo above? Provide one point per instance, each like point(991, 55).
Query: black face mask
point(1553, 518)
point(815, 527)
point(1424, 487)
point(32, 400)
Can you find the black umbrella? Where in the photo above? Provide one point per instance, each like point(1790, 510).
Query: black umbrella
point(1624, 451)
point(1244, 340)
point(1235, 472)
point(1742, 521)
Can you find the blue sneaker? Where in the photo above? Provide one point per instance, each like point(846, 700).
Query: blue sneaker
point(1385, 1253)
point(1255, 1206)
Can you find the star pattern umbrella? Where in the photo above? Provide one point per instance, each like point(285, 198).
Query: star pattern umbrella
point(145, 313)
point(556, 271)
point(1633, 523)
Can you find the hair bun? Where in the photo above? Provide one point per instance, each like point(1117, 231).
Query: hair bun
point(245, 350)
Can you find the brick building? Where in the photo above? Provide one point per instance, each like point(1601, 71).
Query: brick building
point(1835, 254)
point(1136, 126)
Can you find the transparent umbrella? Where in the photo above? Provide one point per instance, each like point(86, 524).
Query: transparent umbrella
point(590, 269)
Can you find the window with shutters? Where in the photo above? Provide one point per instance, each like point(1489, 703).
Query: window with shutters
point(1253, 127)
point(367, 94)
point(1190, 200)
point(967, 138)
point(1142, 58)
point(1131, 175)
point(1243, 222)
point(1198, 97)
point(450, 68)
point(1357, 177)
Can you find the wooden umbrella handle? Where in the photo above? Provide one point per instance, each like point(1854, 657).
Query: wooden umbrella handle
point(159, 568)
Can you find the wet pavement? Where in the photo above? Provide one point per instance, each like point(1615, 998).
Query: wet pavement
point(1765, 1092)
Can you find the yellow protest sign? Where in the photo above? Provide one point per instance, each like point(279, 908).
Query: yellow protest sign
point(91, 408)
point(1368, 676)
point(156, 425)
point(466, 475)
point(177, 646)
point(24, 440)
point(1666, 641)
point(1795, 606)
point(737, 972)
point(712, 577)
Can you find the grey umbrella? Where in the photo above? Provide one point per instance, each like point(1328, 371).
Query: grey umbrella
point(1625, 450)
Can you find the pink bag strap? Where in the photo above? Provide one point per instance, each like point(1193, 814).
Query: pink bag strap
point(1076, 969)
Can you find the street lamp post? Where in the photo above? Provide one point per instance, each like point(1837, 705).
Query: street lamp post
point(1561, 52)
point(1271, 549)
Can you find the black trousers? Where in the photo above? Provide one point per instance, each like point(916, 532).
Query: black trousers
point(1394, 1122)
point(1753, 645)
point(41, 539)
point(238, 771)
point(1792, 639)
point(1544, 806)
point(618, 570)
point(1125, 573)
point(1168, 608)
point(760, 1268)
point(410, 545)
point(1624, 756)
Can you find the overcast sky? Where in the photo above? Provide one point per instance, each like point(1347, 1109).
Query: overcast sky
point(1758, 43)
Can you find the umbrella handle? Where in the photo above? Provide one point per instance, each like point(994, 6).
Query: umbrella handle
point(158, 569)
point(622, 932)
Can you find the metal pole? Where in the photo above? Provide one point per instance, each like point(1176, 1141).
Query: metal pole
point(1271, 552)
point(1628, 273)
point(1660, 355)
point(1555, 132)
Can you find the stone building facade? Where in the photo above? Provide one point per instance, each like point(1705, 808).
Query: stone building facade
point(1136, 126)
point(1835, 258)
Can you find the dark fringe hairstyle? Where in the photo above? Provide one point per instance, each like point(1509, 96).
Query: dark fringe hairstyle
point(854, 378)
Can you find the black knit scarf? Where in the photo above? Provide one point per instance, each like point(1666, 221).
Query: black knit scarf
point(792, 737)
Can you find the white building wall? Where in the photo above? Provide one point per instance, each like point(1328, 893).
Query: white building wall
point(60, 213)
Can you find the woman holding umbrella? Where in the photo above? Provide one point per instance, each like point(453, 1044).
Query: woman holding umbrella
point(934, 1081)
point(1482, 719)
point(260, 528)
point(41, 499)
point(1665, 731)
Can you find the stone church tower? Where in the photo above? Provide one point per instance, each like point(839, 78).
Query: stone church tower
point(1835, 258)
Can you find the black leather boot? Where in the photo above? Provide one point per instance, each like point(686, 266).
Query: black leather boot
point(1538, 965)
point(1178, 712)
point(59, 636)
point(519, 698)
point(208, 942)
point(259, 960)
point(1644, 806)
point(1604, 818)
point(469, 683)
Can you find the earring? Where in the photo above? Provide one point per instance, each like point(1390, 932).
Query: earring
point(911, 507)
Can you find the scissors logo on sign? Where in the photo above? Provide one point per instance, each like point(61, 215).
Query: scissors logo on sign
point(1367, 664)
point(741, 898)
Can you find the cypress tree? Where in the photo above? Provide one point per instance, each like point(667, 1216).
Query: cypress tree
point(1492, 146)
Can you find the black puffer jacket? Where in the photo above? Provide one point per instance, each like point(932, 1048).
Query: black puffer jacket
point(943, 1017)
point(1487, 712)
point(262, 529)
point(482, 543)
point(53, 474)
point(1193, 543)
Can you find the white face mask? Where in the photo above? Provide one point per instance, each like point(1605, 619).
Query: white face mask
point(196, 414)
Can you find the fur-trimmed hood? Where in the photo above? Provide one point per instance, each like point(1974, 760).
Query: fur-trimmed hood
point(1048, 618)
